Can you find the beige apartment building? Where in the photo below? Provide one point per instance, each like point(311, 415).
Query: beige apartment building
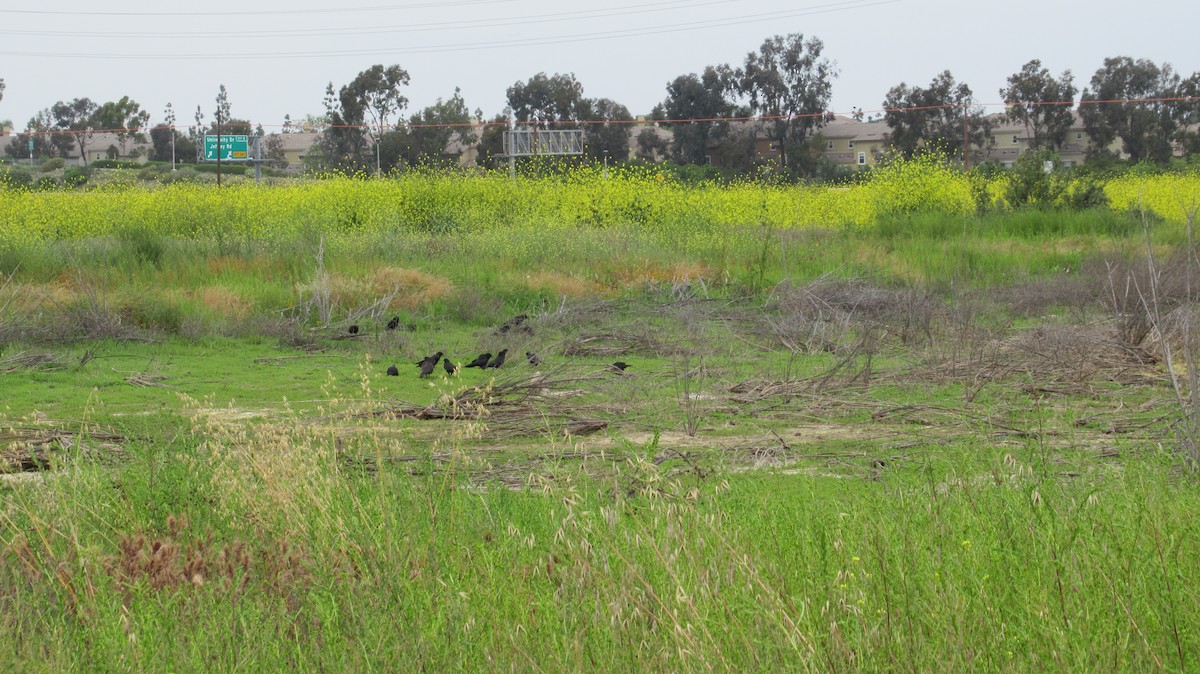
point(847, 142)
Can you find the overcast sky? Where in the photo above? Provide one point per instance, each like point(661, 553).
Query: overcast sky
point(275, 57)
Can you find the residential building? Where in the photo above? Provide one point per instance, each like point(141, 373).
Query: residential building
point(107, 145)
point(849, 142)
point(296, 146)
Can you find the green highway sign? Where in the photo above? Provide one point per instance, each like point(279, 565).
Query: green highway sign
point(233, 148)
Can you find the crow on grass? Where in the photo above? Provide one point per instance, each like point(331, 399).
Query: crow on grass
point(428, 363)
point(451, 368)
point(618, 366)
point(394, 323)
point(498, 360)
point(354, 329)
point(481, 361)
point(393, 371)
point(533, 358)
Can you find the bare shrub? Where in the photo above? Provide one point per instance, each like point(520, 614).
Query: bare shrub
point(1166, 296)
point(827, 314)
point(1037, 297)
point(89, 314)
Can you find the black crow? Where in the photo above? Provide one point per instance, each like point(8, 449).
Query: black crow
point(354, 329)
point(512, 323)
point(451, 368)
point(499, 359)
point(481, 361)
point(394, 323)
point(393, 372)
point(619, 366)
point(533, 358)
point(429, 363)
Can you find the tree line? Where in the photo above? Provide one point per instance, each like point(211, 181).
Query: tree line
point(786, 85)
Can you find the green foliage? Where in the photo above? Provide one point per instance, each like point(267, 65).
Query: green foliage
point(789, 83)
point(1030, 183)
point(426, 142)
point(123, 117)
point(1082, 193)
point(115, 164)
point(77, 176)
point(707, 96)
point(46, 183)
point(935, 116)
point(1042, 103)
point(604, 140)
point(544, 98)
point(1137, 108)
point(14, 177)
point(51, 165)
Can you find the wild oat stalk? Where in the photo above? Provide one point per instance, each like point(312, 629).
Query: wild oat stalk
point(1185, 386)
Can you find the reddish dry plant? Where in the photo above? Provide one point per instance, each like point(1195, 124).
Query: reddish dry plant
point(174, 562)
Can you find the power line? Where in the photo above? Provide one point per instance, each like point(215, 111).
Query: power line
point(257, 12)
point(623, 10)
point(495, 44)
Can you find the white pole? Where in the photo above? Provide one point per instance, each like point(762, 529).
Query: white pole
point(512, 147)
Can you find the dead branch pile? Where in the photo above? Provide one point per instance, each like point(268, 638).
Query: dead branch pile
point(615, 343)
point(521, 405)
point(36, 449)
point(30, 361)
point(147, 379)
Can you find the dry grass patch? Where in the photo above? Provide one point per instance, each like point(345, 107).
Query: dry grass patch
point(411, 287)
point(223, 302)
point(26, 297)
point(562, 284)
point(656, 272)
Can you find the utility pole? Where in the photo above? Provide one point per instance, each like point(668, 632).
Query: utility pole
point(218, 144)
point(173, 147)
point(966, 138)
point(512, 146)
point(258, 159)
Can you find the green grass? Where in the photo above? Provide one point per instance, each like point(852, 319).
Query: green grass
point(917, 447)
point(296, 562)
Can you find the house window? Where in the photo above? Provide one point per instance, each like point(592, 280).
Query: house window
point(1078, 135)
point(1006, 164)
point(1014, 139)
point(829, 145)
point(862, 158)
point(1067, 163)
point(851, 145)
